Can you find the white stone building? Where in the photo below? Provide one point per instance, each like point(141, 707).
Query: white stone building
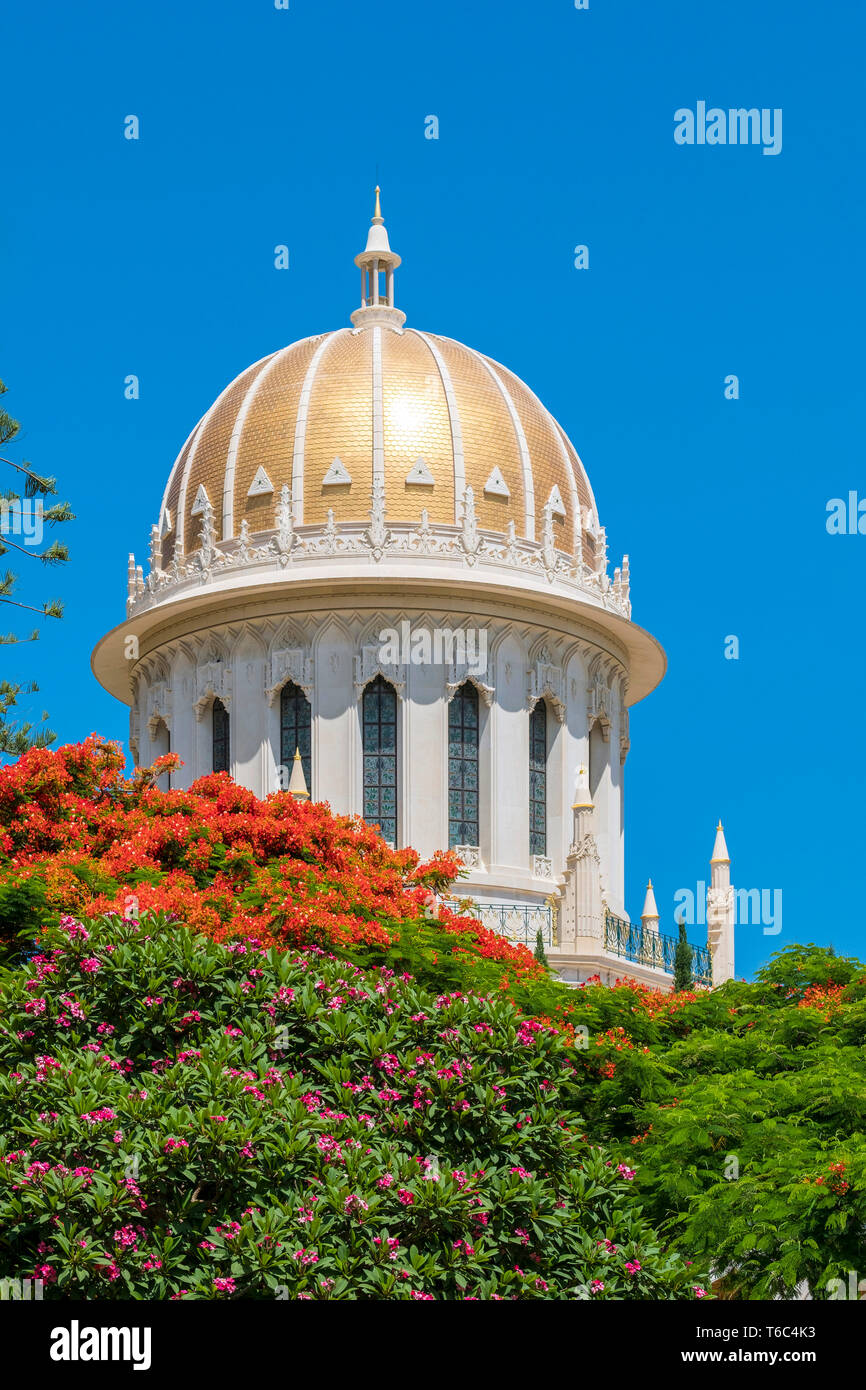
point(378, 546)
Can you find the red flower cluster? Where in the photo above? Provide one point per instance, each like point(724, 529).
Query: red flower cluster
point(220, 860)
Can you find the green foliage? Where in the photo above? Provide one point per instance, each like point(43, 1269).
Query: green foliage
point(540, 953)
point(182, 1118)
point(683, 976)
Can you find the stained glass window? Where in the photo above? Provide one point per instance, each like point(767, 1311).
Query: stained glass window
point(296, 730)
point(463, 767)
point(221, 754)
point(538, 779)
point(379, 713)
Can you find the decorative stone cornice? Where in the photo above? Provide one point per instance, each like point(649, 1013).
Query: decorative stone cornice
point(295, 547)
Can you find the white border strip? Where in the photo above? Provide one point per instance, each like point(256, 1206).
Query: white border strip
point(378, 415)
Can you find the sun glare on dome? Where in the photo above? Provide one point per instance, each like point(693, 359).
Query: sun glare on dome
point(407, 414)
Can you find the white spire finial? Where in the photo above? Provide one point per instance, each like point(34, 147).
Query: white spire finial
point(582, 795)
point(377, 263)
point(720, 849)
point(650, 915)
point(298, 782)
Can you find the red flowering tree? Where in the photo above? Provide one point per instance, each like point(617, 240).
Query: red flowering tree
point(76, 835)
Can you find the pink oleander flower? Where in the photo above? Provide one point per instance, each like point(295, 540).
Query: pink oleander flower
point(699, 1292)
point(174, 1144)
point(596, 1286)
point(91, 965)
point(224, 1285)
point(626, 1172)
point(632, 1266)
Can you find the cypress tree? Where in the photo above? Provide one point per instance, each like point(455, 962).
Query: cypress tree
point(683, 978)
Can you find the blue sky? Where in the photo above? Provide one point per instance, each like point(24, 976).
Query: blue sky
point(261, 127)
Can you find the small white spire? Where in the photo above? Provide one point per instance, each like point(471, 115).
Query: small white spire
point(650, 915)
point(298, 782)
point(582, 795)
point(720, 849)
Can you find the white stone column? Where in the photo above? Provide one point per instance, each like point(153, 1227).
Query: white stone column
point(183, 721)
point(425, 814)
point(336, 729)
point(510, 761)
point(247, 725)
point(582, 911)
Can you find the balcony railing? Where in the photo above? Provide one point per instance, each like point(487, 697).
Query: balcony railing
point(629, 941)
point(517, 921)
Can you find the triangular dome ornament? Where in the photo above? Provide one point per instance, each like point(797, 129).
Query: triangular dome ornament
point(496, 486)
point(261, 484)
point(555, 502)
point(419, 474)
point(201, 501)
point(337, 473)
point(166, 524)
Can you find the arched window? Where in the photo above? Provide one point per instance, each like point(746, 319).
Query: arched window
point(295, 730)
point(379, 715)
point(463, 767)
point(538, 779)
point(221, 752)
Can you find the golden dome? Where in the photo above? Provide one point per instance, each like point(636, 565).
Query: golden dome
point(419, 415)
point(378, 401)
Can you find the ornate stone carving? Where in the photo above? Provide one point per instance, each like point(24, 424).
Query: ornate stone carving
point(470, 854)
point(545, 682)
point(542, 866)
point(212, 682)
point(458, 675)
point(377, 533)
point(158, 706)
point(368, 665)
point(290, 664)
point(469, 537)
point(598, 704)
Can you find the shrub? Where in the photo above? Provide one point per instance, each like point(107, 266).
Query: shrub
point(183, 1118)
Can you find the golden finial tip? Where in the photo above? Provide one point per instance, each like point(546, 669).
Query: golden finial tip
point(719, 826)
point(377, 215)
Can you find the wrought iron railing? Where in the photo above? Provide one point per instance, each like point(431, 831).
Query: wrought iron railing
point(517, 921)
point(630, 941)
